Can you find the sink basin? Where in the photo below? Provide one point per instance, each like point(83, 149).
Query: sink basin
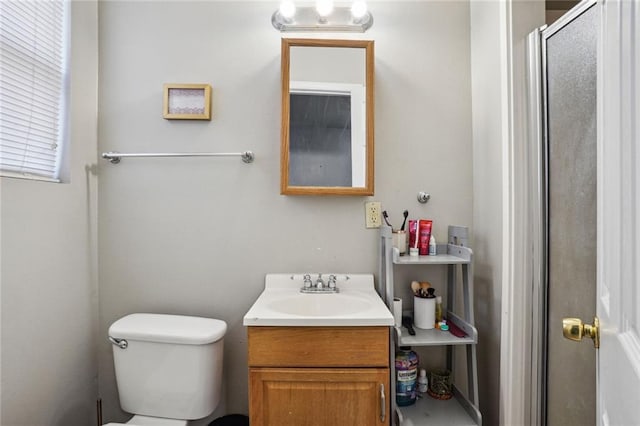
point(282, 304)
point(320, 305)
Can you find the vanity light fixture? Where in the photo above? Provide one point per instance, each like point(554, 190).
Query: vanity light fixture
point(324, 16)
point(324, 9)
point(287, 10)
point(359, 9)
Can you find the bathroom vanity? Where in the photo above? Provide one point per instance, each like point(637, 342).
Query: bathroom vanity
point(318, 359)
point(318, 376)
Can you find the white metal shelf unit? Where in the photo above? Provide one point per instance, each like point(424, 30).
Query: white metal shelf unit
point(463, 408)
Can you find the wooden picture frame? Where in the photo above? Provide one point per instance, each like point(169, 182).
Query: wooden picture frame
point(186, 102)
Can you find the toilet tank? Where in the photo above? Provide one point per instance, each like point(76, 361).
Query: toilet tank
point(171, 366)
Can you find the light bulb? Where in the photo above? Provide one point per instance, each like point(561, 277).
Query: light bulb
point(358, 9)
point(287, 9)
point(324, 7)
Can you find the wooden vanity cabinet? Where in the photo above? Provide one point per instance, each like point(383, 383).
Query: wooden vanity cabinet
point(319, 376)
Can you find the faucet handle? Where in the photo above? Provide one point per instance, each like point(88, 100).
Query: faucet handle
point(332, 281)
point(319, 282)
point(307, 280)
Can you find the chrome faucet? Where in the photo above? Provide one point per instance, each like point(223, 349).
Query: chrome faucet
point(319, 286)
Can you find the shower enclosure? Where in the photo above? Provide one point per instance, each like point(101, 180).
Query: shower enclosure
point(562, 89)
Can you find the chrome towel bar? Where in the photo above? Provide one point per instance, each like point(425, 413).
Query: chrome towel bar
point(115, 157)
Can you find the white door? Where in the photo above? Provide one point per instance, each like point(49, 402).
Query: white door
point(618, 293)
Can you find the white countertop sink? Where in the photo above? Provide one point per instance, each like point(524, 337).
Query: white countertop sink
point(282, 304)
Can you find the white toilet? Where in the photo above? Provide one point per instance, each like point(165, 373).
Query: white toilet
point(168, 367)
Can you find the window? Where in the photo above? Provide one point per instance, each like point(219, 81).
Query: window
point(33, 87)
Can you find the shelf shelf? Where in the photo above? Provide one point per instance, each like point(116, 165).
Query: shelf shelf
point(438, 259)
point(433, 412)
point(431, 337)
point(435, 337)
point(449, 254)
point(462, 409)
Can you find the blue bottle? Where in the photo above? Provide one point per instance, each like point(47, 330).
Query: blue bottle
point(406, 376)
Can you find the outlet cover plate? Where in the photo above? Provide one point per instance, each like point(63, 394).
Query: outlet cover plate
point(372, 214)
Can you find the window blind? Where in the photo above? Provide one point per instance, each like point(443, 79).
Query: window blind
point(33, 86)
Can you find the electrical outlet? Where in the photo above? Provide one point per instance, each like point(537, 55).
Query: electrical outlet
point(372, 214)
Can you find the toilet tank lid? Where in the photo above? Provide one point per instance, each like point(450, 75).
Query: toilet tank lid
point(164, 328)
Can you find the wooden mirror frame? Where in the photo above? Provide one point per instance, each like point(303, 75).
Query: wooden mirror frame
point(285, 188)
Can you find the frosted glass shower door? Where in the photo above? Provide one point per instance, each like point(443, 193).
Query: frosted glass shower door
point(571, 178)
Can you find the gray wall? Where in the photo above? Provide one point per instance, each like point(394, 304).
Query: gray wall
point(499, 124)
point(488, 125)
point(197, 236)
point(49, 284)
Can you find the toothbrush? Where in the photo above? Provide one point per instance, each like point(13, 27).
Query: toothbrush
point(405, 214)
point(386, 218)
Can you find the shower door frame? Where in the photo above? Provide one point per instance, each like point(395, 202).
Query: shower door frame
point(537, 233)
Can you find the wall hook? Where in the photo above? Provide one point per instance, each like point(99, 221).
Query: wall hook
point(423, 197)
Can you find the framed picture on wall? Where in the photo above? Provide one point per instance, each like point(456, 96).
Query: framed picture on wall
point(187, 102)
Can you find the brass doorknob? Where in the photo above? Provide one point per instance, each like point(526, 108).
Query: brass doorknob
point(575, 329)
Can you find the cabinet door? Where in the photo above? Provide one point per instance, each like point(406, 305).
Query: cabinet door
point(319, 397)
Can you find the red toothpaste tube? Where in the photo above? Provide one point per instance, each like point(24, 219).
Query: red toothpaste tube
point(419, 235)
point(424, 235)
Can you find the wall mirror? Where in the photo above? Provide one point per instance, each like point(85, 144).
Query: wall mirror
point(327, 117)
